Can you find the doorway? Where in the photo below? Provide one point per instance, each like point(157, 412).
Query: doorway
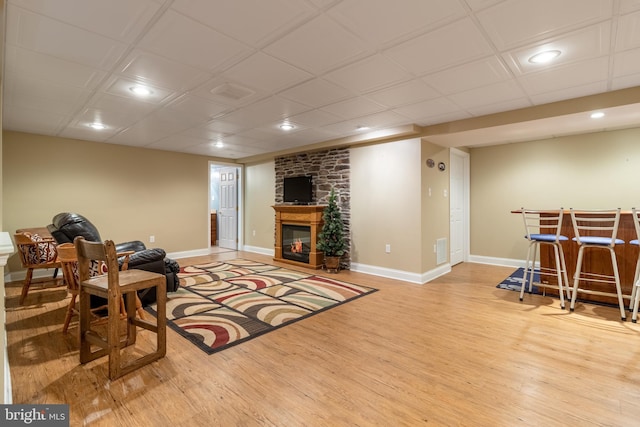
point(225, 213)
point(459, 206)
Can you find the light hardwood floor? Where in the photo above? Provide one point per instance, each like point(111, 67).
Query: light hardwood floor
point(455, 351)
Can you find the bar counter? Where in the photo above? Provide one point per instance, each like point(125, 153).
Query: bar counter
point(595, 261)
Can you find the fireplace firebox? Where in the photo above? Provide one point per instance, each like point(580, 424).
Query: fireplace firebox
point(296, 242)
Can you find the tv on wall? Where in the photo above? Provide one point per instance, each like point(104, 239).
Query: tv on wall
point(298, 190)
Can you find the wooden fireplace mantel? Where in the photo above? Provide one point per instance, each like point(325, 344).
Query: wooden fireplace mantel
point(305, 215)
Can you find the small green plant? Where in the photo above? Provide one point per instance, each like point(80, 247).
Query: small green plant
point(331, 239)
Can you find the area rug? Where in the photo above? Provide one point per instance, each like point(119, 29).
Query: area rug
point(225, 303)
point(515, 280)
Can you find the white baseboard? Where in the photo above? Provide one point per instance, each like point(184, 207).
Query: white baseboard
point(258, 250)
point(505, 262)
point(405, 276)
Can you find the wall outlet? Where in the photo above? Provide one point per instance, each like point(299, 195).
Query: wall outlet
point(387, 248)
point(254, 233)
point(152, 239)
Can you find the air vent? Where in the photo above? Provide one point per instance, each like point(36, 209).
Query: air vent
point(232, 91)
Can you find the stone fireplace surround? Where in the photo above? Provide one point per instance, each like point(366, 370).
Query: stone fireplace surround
point(329, 168)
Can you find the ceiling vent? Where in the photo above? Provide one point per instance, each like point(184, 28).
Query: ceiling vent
point(231, 92)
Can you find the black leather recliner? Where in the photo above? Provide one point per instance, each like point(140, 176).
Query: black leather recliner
point(66, 226)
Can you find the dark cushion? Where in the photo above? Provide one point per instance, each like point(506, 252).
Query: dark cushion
point(67, 226)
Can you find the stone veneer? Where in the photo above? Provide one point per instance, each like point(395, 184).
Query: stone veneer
point(329, 168)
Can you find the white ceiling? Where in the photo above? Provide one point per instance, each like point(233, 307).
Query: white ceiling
point(234, 70)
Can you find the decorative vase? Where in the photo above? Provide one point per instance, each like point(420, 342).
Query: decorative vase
point(332, 264)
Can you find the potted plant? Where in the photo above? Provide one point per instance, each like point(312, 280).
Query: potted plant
point(331, 239)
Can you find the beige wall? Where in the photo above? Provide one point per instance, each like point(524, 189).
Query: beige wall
point(129, 193)
point(595, 170)
point(386, 205)
point(435, 207)
point(259, 197)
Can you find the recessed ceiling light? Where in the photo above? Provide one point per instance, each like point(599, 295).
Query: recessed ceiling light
point(597, 115)
point(362, 127)
point(544, 57)
point(219, 144)
point(141, 90)
point(97, 126)
point(286, 126)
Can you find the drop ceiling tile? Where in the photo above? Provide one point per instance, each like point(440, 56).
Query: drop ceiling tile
point(561, 78)
point(404, 93)
point(352, 108)
point(586, 43)
point(628, 36)
point(113, 120)
point(177, 142)
point(30, 64)
point(486, 95)
point(381, 21)
point(629, 5)
point(124, 109)
point(43, 95)
point(185, 40)
point(469, 76)
point(142, 133)
point(316, 93)
point(481, 4)
point(425, 110)
point(383, 120)
point(515, 22)
point(30, 120)
point(267, 110)
point(374, 72)
point(448, 46)
point(624, 82)
point(117, 19)
point(50, 37)
point(266, 73)
point(514, 104)
point(314, 118)
point(198, 109)
point(221, 126)
point(156, 70)
point(87, 134)
point(333, 46)
point(576, 91)
point(626, 63)
point(254, 22)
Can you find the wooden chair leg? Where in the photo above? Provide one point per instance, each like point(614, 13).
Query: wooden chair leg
point(139, 308)
point(26, 285)
point(70, 309)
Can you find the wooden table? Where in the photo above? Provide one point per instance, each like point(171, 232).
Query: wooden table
point(595, 261)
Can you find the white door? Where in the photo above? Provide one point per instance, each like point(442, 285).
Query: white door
point(459, 196)
point(228, 210)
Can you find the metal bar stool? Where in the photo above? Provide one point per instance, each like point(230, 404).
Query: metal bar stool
point(635, 293)
point(543, 228)
point(597, 229)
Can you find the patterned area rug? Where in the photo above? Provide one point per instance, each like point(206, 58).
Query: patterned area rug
point(515, 280)
point(224, 303)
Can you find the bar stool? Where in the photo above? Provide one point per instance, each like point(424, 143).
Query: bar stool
point(543, 228)
point(635, 294)
point(597, 229)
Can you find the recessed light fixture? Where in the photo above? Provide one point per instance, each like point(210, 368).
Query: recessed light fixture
point(97, 126)
point(218, 144)
point(141, 90)
point(544, 57)
point(597, 115)
point(286, 126)
point(362, 127)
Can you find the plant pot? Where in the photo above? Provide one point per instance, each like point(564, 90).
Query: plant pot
point(332, 264)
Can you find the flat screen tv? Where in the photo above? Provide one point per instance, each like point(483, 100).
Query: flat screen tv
point(298, 190)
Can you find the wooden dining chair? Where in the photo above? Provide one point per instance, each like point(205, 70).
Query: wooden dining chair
point(35, 252)
point(112, 286)
point(68, 258)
